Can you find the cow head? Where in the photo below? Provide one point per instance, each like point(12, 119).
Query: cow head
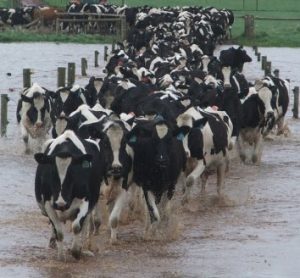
point(151, 139)
point(266, 96)
point(118, 155)
point(69, 168)
point(36, 104)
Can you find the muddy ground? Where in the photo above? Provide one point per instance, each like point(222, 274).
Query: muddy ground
point(253, 232)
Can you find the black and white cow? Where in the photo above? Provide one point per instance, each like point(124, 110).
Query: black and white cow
point(263, 109)
point(118, 157)
point(206, 137)
point(66, 101)
point(33, 114)
point(67, 184)
point(159, 159)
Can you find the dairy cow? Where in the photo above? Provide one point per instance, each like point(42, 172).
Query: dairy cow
point(33, 113)
point(206, 140)
point(159, 159)
point(67, 184)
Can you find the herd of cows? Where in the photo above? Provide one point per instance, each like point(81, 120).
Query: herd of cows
point(166, 109)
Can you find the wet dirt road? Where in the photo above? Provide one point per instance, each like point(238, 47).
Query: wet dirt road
point(254, 232)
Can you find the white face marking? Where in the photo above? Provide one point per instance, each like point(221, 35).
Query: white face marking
point(205, 61)
point(64, 95)
point(98, 85)
point(60, 126)
point(266, 96)
point(226, 74)
point(237, 84)
point(161, 130)
point(62, 165)
point(115, 135)
point(39, 103)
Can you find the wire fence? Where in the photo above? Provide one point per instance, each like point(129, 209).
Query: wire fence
point(236, 5)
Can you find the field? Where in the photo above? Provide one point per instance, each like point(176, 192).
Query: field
point(268, 32)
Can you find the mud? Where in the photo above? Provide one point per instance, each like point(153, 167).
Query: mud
point(253, 231)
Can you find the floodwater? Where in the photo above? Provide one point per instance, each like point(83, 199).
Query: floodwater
point(253, 232)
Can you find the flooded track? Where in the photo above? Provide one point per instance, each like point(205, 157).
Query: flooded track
point(253, 232)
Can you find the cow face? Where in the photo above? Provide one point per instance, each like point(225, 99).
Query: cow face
point(226, 71)
point(69, 168)
point(266, 96)
point(35, 105)
point(116, 152)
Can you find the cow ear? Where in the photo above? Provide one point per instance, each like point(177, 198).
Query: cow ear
point(42, 158)
point(26, 99)
point(181, 132)
point(200, 123)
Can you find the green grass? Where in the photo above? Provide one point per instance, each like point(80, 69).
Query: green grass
point(268, 33)
point(31, 36)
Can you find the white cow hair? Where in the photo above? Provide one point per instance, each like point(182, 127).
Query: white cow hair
point(126, 84)
point(68, 134)
point(162, 130)
point(85, 110)
point(35, 88)
point(93, 142)
point(99, 108)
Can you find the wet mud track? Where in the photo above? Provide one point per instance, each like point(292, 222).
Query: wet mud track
point(254, 231)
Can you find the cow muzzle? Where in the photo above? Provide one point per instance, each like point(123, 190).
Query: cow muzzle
point(38, 125)
point(115, 171)
point(162, 162)
point(61, 205)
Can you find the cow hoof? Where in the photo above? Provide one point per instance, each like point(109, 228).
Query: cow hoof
point(243, 158)
point(113, 241)
point(254, 159)
point(190, 181)
point(76, 229)
point(76, 253)
point(61, 257)
point(52, 243)
point(184, 200)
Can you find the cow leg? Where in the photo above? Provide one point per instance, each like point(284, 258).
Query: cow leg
point(96, 218)
point(241, 148)
point(257, 152)
point(204, 178)
point(280, 126)
point(151, 205)
point(77, 228)
point(116, 213)
point(25, 138)
point(84, 235)
point(192, 177)
point(221, 169)
point(57, 228)
point(52, 241)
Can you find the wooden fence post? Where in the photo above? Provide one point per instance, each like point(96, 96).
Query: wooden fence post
point(258, 57)
point(4, 121)
point(296, 102)
point(61, 77)
point(276, 73)
point(71, 74)
point(263, 62)
point(255, 49)
point(249, 26)
point(268, 68)
point(123, 28)
point(105, 53)
point(84, 66)
point(26, 78)
point(96, 58)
